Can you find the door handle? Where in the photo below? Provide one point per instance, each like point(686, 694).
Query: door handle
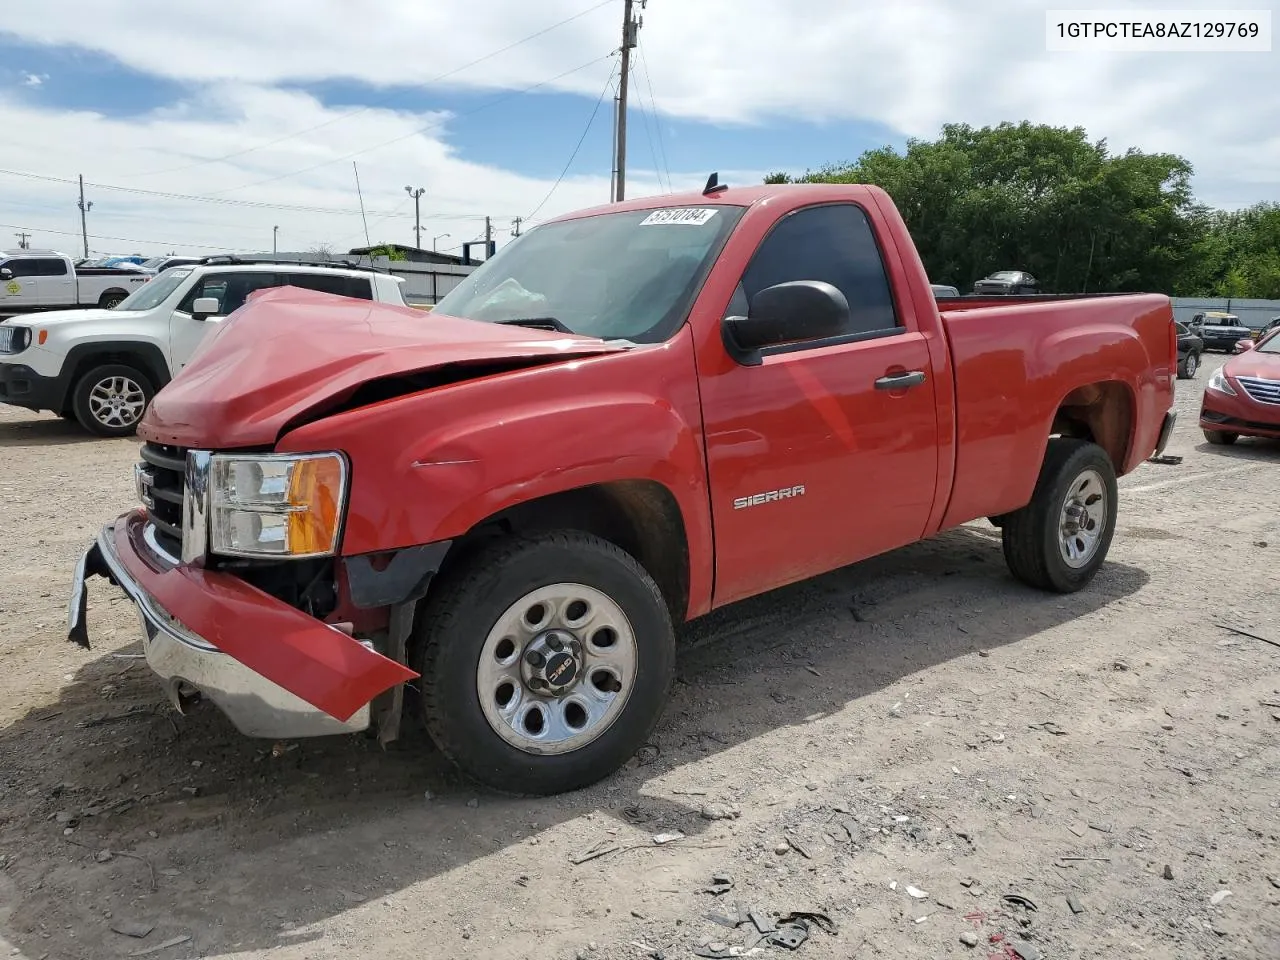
point(900, 381)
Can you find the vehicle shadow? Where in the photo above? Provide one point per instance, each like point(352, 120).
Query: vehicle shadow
point(1261, 449)
point(241, 844)
point(43, 430)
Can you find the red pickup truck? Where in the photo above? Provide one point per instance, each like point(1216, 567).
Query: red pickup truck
point(628, 417)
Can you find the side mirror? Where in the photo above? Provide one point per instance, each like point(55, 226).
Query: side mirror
point(793, 312)
point(5, 273)
point(205, 307)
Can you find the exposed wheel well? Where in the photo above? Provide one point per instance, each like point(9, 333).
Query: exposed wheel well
point(147, 361)
point(639, 516)
point(1101, 412)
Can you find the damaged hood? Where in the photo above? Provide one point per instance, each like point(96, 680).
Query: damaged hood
point(290, 354)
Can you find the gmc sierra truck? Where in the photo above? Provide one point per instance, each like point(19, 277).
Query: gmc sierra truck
point(629, 416)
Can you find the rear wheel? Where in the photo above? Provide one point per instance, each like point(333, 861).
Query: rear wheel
point(1059, 540)
point(1221, 438)
point(545, 662)
point(111, 298)
point(1187, 369)
point(111, 399)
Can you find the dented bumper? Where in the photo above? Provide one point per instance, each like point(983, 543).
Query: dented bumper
point(272, 669)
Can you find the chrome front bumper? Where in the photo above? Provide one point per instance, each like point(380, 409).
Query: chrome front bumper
point(186, 662)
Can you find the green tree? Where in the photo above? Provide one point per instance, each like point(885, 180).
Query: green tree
point(1037, 198)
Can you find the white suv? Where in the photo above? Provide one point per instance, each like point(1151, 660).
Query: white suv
point(102, 367)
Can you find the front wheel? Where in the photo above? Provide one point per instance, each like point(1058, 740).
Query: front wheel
point(1187, 369)
point(111, 399)
point(545, 661)
point(1221, 438)
point(1059, 540)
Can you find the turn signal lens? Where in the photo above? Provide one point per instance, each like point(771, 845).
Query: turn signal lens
point(42, 336)
point(315, 491)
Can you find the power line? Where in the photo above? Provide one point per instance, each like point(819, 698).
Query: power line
point(608, 84)
point(384, 100)
point(99, 236)
point(227, 201)
point(648, 135)
point(420, 130)
point(653, 102)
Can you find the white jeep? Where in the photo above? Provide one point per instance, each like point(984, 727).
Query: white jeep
point(102, 367)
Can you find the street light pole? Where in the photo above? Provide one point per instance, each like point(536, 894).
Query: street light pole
point(417, 214)
point(434, 239)
point(274, 232)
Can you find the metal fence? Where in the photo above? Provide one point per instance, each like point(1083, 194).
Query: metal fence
point(1252, 313)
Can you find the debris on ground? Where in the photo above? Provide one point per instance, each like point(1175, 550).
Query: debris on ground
point(969, 938)
point(1167, 873)
point(916, 893)
point(172, 942)
point(788, 931)
point(132, 928)
point(1218, 897)
point(1019, 900)
point(1250, 635)
point(1074, 903)
point(661, 838)
point(721, 883)
point(720, 811)
point(1165, 460)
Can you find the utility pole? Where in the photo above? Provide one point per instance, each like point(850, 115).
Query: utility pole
point(274, 246)
point(630, 30)
point(488, 238)
point(417, 214)
point(515, 226)
point(84, 209)
point(22, 241)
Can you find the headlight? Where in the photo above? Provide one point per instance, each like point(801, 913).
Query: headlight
point(14, 339)
point(1218, 381)
point(274, 505)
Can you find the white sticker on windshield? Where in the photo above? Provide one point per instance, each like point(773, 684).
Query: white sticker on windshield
point(695, 216)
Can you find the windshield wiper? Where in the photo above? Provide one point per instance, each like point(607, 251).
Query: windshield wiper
point(537, 323)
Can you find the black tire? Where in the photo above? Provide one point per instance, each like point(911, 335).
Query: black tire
point(111, 298)
point(1189, 366)
point(89, 411)
point(1032, 536)
point(465, 604)
point(1221, 438)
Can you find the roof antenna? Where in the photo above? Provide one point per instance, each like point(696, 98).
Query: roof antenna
point(714, 185)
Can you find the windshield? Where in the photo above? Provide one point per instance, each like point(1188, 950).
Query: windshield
point(1005, 275)
point(154, 262)
point(153, 292)
point(1270, 345)
point(629, 276)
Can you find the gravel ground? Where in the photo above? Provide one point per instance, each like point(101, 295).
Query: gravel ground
point(899, 746)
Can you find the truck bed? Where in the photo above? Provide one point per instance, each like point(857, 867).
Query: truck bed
point(1016, 360)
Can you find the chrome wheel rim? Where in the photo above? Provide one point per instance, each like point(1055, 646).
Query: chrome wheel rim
point(557, 669)
point(1083, 518)
point(117, 402)
point(1191, 365)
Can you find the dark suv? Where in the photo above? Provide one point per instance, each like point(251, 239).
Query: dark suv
point(1190, 347)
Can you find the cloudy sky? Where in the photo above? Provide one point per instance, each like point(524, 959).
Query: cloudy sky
point(200, 125)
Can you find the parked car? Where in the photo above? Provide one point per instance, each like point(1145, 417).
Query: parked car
point(1190, 349)
point(1266, 328)
point(1242, 398)
point(1218, 330)
point(1007, 283)
point(37, 280)
point(103, 367)
point(636, 414)
point(157, 264)
point(943, 290)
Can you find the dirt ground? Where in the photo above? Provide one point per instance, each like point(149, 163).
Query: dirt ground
point(919, 724)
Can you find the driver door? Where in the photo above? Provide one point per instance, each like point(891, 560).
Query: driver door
point(230, 289)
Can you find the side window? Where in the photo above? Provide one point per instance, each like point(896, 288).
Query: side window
point(229, 289)
point(335, 283)
point(833, 243)
point(21, 268)
point(50, 268)
point(1182, 331)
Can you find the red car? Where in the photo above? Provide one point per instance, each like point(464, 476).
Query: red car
point(1242, 398)
point(628, 417)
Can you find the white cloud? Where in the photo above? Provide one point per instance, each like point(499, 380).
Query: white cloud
point(34, 79)
point(909, 66)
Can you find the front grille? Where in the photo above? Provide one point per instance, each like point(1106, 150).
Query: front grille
point(162, 475)
point(1264, 391)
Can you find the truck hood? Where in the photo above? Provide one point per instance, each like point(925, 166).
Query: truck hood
point(290, 355)
point(55, 318)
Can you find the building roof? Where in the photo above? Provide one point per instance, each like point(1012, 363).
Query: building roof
point(411, 254)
